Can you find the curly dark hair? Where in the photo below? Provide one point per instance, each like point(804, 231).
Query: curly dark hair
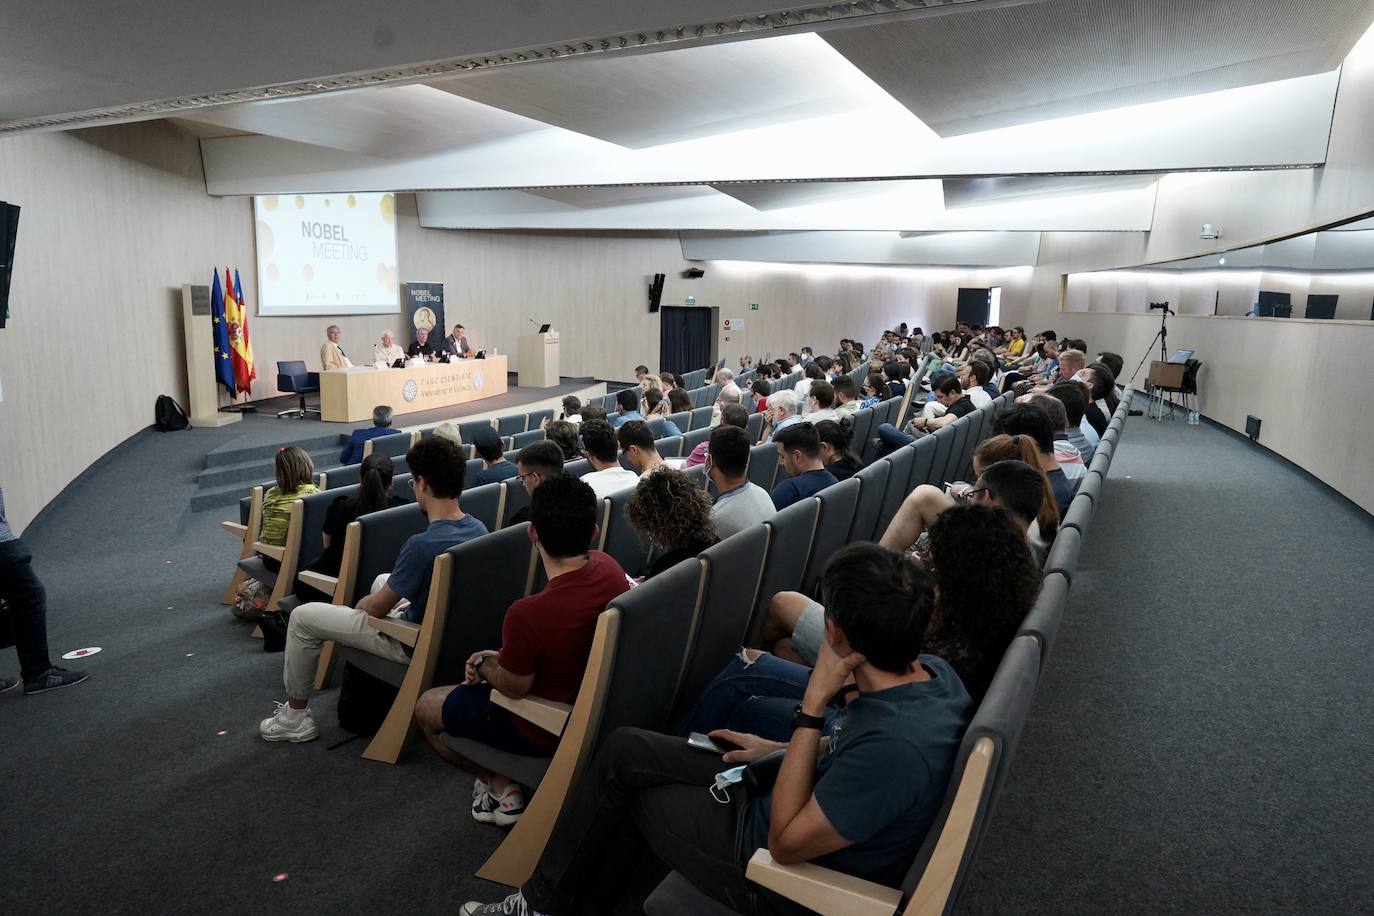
point(986, 580)
point(669, 510)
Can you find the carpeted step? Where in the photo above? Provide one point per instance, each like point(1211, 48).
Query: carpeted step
point(240, 454)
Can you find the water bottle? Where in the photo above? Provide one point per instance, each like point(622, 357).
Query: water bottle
point(1193, 418)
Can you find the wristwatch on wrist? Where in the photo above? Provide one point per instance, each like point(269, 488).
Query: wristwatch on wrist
point(802, 720)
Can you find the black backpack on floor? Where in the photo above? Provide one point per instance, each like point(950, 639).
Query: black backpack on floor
point(364, 701)
point(168, 415)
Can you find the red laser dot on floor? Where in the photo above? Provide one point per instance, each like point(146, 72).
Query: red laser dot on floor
point(281, 877)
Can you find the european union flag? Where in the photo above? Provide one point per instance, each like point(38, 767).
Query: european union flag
point(224, 366)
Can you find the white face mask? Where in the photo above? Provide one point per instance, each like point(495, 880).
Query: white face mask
point(724, 781)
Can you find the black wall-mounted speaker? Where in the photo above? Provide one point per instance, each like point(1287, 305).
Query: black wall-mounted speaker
point(656, 291)
point(693, 273)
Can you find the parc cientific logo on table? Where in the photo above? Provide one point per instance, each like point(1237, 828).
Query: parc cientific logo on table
point(410, 390)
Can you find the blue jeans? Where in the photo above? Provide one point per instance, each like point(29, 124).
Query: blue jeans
point(756, 698)
point(890, 438)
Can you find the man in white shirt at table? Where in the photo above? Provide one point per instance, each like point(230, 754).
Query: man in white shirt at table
point(390, 350)
point(331, 354)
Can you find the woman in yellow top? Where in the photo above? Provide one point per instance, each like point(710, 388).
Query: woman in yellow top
point(295, 478)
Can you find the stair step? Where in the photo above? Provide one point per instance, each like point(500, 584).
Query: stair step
point(249, 452)
point(256, 470)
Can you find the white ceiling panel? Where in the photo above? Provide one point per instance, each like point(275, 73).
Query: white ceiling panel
point(951, 249)
point(374, 122)
point(978, 192)
point(785, 195)
point(990, 68)
point(651, 99)
point(1277, 124)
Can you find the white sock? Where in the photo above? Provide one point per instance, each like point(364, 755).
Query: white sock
point(293, 714)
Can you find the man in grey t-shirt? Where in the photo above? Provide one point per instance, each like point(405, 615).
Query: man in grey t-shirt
point(740, 503)
point(27, 608)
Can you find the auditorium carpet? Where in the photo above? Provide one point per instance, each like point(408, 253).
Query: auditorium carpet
point(1199, 744)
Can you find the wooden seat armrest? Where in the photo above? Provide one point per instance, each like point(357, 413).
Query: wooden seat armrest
point(320, 581)
point(400, 630)
point(234, 528)
point(550, 716)
point(270, 550)
point(822, 889)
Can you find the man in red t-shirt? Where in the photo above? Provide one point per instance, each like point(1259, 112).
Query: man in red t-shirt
point(545, 641)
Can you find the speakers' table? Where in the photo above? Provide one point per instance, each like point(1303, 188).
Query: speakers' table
point(348, 395)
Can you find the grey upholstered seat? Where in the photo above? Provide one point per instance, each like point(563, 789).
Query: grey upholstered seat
point(1047, 613)
point(682, 419)
point(874, 488)
point(1079, 514)
point(899, 472)
point(790, 535)
point(468, 428)
point(837, 506)
point(701, 416)
point(763, 465)
point(694, 438)
point(1063, 556)
point(392, 446)
point(527, 438)
point(511, 424)
point(485, 503)
point(621, 541)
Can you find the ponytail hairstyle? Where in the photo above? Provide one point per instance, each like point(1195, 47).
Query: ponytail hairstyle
point(839, 435)
point(374, 483)
point(1021, 448)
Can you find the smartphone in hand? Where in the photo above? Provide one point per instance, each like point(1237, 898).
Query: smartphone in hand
point(707, 743)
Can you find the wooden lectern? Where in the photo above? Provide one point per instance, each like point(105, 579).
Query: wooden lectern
point(200, 359)
point(537, 364)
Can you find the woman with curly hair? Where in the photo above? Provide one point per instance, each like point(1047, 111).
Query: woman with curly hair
point(673, 515)
point(985, 583)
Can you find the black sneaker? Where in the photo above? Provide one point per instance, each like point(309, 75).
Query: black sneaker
point(8, 683)
point(52, 679)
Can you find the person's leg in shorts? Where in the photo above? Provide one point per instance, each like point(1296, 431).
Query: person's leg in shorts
point(780, 619)
point(466, 711)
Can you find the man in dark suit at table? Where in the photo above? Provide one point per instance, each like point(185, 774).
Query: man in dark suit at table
point(457, 343)
point(422, 345)
point(381, 426)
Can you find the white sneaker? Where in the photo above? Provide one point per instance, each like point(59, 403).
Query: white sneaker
point(503, 810)
point(289, 724)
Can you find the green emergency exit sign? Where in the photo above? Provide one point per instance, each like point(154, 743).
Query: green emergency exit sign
point(753, 306)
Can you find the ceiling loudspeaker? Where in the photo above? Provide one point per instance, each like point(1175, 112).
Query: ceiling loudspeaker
point(693, 273)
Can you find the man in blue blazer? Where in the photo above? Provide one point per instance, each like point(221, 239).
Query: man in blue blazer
point(381, 426)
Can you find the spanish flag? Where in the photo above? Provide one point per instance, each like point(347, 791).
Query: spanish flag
point(236, 315)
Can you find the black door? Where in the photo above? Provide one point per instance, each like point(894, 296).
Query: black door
point(684, 338)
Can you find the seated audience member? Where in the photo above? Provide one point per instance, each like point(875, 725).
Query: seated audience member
point(821, 397)
point(799, 452)
point(27, 618)
point(793, 360)
point(437, 469)
point(740, 503)
point(950, 395)
point(650, 383)
point(637, 443)
point(679, 400)
point(374, 494)
point(1113, 362)
point(381, 426)
point(730, 415)
point(564, 435)
point(1030, 420)
point(594, 412)
point(1071, 363)
point(874, 390)
point(537, 462)
point(1042, 524)
point(486, 444)
point(295, 474)
point(782, 413)
point(1075, 400)
point(627, 405)
point(602, 452)
point(837, 452)
point(331, 354)
point(545, 641)
point(1102, 397)
point(986, 581)
point(641, 372)
point(572, 410)
point(761, 389)
point(975, 378)
point(846, 396)
point(811, 373)
point(448, 430)
point(668, 381)
point(656, 405)
point(390, 350)
point(678, 381)
point(863, 807)
point(422, 346)
point(672, 515)
point(896, 374)
point(725, 378)
point(1019, 488)
point(1065, 452)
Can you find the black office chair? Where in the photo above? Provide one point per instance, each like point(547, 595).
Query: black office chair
point(292, 376)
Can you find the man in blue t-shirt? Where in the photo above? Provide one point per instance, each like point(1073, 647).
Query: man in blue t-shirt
point(437, 469)
point(859, 800)
point(799, 452)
